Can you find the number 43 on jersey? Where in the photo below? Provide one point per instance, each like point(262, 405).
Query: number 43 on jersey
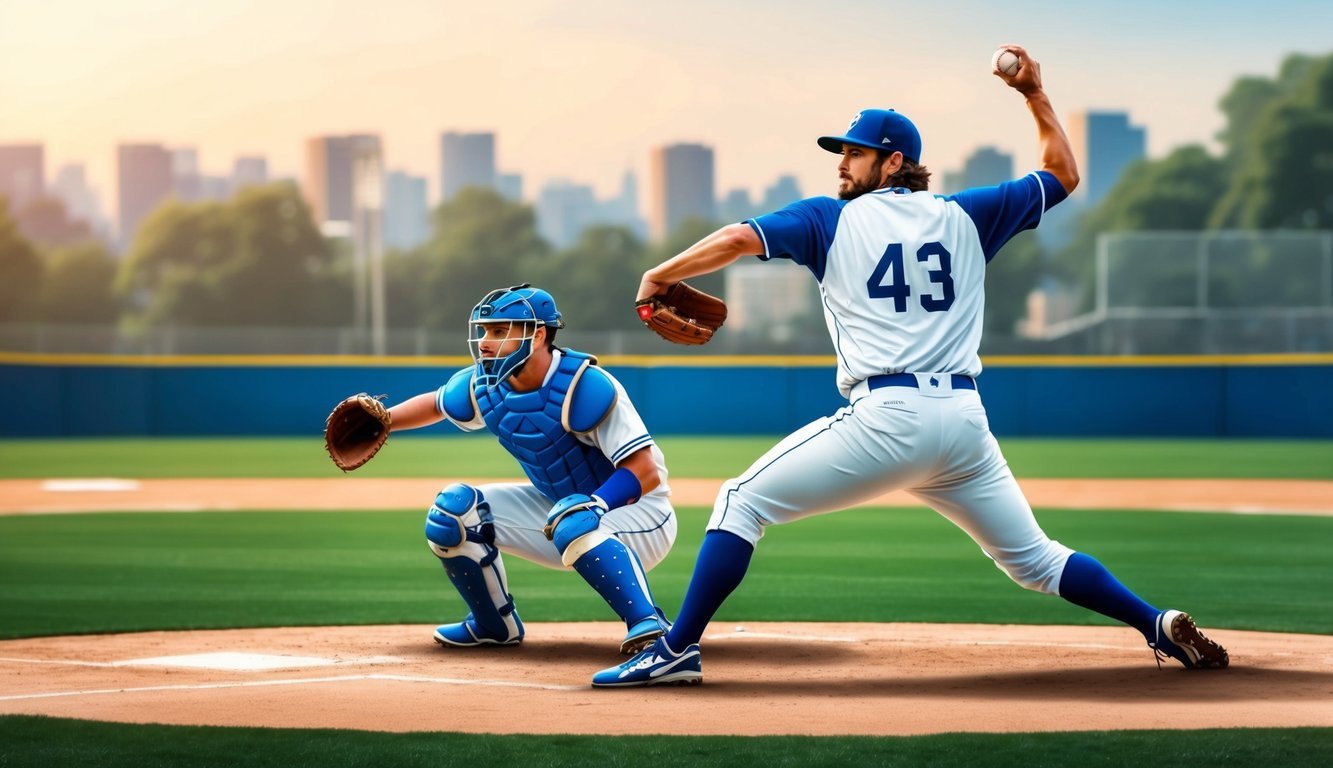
point(891, 266)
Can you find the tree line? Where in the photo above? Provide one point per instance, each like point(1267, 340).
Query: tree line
point(259, 259)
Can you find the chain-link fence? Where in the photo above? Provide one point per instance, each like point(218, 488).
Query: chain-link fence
point(1232, 292)
point(1159, 293)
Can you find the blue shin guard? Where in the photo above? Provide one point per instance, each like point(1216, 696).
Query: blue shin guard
point(615, 572)
point(459, 531)
point(492, 618)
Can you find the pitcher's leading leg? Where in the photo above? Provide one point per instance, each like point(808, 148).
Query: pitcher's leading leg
point(1087, 583)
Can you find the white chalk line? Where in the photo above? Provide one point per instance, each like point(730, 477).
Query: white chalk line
point(741, 634)
point(295, 681)
point(369, 660)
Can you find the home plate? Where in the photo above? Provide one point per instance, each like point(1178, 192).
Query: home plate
point(231, 661)
point(80, 485)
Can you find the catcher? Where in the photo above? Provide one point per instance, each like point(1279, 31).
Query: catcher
point(596, 499)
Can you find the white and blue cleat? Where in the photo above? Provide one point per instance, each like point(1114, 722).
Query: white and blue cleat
point(659, 665)
point(1177, 637)
point(467, 633)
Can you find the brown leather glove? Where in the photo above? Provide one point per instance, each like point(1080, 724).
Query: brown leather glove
point(356, 430)
point(683, 315)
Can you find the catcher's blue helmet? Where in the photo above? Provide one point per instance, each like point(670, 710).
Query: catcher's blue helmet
point(524, 308)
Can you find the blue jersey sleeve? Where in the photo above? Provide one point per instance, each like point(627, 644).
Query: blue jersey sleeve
point(802, 232)
point(1002, 211)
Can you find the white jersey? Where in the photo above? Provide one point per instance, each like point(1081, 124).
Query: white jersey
point(620, 434)
point(902, 275)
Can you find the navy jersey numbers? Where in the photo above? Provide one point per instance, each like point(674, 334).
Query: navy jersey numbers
point(941, 294)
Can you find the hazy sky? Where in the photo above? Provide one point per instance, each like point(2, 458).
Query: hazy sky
point(583, 89)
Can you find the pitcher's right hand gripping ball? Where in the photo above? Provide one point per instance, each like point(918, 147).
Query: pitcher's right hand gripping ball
point(683, 315)
point(356, 430)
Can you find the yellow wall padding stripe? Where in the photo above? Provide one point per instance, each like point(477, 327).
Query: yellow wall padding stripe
point(648, 361)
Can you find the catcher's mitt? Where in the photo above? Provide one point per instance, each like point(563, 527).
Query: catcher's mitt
point(683, 315)
point(356, 430)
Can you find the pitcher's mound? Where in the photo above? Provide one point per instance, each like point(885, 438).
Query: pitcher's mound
point(761, 678)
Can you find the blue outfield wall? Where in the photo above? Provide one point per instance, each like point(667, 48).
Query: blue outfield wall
point(1085, 397)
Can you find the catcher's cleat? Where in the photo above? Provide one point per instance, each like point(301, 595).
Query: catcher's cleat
point(1179, 638)
point(643, 633)
point(659, 665)
point(467, 633)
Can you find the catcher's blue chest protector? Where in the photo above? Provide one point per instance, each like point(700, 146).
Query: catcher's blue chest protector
point(537, 427)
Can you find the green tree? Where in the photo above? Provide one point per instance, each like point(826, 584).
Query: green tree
point(1179, 191)
point(21, 271)
point(46, 222)
point(172, 272)
point(1285, 179)
point(79, 286)
point(1250, 97)
point(480, 241)
point(255, 260)
point(690, 231)
point(594, 280)
point(282, 269)
point(1010, 277)
point(405, 294)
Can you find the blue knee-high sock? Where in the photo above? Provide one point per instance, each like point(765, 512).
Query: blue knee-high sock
point(719, 569)
point(1087, 584)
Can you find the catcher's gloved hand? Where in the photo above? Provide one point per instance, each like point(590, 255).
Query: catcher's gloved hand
point(683, 315)
point(356, 430)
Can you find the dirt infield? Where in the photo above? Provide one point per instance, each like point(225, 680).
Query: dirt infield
point(763, 678)
point(1308, 497)
point(818, 679)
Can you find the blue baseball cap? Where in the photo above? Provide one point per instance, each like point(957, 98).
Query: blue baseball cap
point(879, 129)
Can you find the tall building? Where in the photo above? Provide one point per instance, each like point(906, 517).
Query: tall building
point(564, 209)
point(22, 173)
point(736, 206)
point(629, 195)
point(328, 182)
point(249, 171)
point(406, 211)
point(510, 186)
point(466, 160)
point(1104, 144)
point(80, 199)
point(985, 167)
point(144, 180)
point(784, 191)
point(186, 182)
point(681, 187)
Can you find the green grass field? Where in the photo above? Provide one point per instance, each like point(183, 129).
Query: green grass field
point(65, 574)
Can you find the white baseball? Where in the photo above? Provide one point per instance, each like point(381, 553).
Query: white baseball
point(1005, 61)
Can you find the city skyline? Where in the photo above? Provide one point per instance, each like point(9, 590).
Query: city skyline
point(586, 90)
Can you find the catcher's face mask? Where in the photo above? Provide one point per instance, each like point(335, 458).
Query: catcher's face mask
point(519, 309)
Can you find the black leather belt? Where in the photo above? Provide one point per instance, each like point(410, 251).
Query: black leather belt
point(957, 380)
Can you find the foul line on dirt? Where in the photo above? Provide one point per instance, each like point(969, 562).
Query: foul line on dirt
point(295, 681)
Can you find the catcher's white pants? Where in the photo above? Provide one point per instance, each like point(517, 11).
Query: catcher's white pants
point(936, 445)
point(519, 511)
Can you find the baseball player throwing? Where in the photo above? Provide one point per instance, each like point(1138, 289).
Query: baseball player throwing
point(901, 275)
point(597, 497)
